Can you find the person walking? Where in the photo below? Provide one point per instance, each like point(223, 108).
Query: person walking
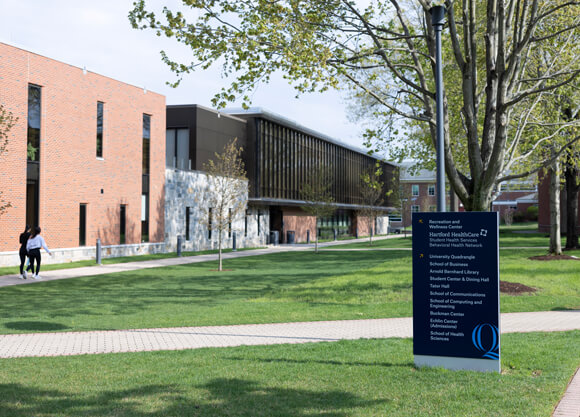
point(33, 247)
point(24, 236)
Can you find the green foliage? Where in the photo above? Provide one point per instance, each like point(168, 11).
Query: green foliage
point(7, 121)
point(509, 68)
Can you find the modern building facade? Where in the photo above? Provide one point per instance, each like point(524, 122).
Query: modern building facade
point(85, 160)
point(279, 156)
point(94, 159)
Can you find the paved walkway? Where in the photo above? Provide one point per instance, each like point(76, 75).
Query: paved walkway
point(138, 340)
point(8, 280)
point(179, 338)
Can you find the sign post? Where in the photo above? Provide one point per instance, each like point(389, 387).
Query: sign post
point(456, 320)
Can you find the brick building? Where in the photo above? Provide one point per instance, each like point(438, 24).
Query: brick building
point(417, 193)
point(85, 160)
point(544, 206)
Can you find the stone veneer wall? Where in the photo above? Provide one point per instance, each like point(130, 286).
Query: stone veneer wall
point(83, 253)
point(181, 190)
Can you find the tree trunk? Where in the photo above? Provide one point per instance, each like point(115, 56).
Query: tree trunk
point(371, 232)
point(316, 240)
point(555, 241)
point(572, 188)
point(220, 250)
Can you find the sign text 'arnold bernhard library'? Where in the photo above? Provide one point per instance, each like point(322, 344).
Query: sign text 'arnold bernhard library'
point(456, 290)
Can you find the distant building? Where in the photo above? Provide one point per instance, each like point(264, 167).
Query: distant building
point(544, 206)
point(417, 192)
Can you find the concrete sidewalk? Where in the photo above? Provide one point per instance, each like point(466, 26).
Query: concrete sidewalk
point(139, 340)
point(8, 280)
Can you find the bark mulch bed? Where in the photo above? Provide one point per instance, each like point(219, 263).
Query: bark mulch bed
point(554, 258)
point(514, 288)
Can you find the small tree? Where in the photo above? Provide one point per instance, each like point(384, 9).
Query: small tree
point(224, 197)
point(317, 194)
point(373, 196)
point(7, 121)
point(508, 216)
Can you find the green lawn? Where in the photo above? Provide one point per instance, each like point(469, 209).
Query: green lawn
point(521, 235)
point(280, 287)
point(343, 379)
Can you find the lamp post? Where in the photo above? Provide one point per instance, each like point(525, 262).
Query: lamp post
point(438, 20)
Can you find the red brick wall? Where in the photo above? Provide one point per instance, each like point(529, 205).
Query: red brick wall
point(363, 225)
point(298, 221)
point(544, 205)
point(423, 200)
point(70, 173)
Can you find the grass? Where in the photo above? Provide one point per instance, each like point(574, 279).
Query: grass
point(349, 378)
point(521, 235)
point(120, 260)
point(280, 287)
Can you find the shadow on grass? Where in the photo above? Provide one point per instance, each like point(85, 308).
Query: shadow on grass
point(219, 397)
point(35, 326)
point(407, 365)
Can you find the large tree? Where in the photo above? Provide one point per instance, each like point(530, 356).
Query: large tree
point(504, 58)
point(7, 121)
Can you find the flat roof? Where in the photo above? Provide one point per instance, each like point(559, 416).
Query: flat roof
point(274, 117)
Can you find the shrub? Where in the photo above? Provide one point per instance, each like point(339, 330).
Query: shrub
point(532, 213)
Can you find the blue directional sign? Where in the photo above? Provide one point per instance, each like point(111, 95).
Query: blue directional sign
point(456, 290)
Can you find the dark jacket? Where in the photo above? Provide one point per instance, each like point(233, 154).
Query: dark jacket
point(23, 239)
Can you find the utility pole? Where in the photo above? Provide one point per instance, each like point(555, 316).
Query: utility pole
point(438, 20)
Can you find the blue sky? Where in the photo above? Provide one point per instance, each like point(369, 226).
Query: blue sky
point(97, 35)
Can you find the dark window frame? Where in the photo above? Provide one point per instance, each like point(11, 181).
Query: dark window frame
point(100, 128)
point(83, 224)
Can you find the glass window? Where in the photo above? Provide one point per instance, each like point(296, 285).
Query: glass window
point(122, 224)
point(100, 107)
point(33, 150)
point(432, 208)
point(415, 209)
point(415, 189)
point(177, 152)
point(431, 190)
point(83, 225)
point(187, 216)
point(170, 158)
point(146, 143)
point(145, 178)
